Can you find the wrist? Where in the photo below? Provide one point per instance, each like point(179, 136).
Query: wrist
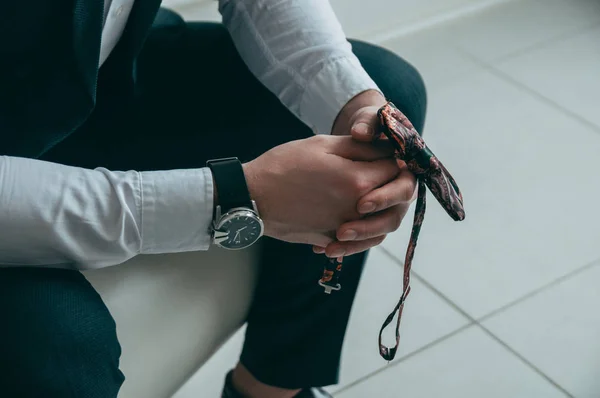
point(256, 187)
point(236, 222)
point(251, 182)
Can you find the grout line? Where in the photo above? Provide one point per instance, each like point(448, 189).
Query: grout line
point(474, 321)
point(437, 292)
point(545, 43)
point(525, 360)
point(534, 292)
point(434, 21)
point(403, 358)
point(509, 79)
point(567, 276)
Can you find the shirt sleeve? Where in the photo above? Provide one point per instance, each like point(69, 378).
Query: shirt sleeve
point(298, 50)
point(70, 217)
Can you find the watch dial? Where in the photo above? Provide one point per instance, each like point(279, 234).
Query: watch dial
point(240, 231)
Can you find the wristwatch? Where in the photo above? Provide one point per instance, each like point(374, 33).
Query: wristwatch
point(236, 224)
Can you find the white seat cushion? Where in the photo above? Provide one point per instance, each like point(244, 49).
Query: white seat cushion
point(173, 311)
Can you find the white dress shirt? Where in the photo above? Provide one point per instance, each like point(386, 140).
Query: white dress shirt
point(62, 216)
point(116, 13)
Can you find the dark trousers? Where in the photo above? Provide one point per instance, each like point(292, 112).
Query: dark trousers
point(197, 100)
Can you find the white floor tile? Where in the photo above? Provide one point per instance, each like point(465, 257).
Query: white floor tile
point(389, 14)
point(205, 10)
point(518, 25)
point(567, 72)
point(530, 181)
point(558, 330)
point(437, 61)
point(468, 365)
point(184, 3)
point(426, 318)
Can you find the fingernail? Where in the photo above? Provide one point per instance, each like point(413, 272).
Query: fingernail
point(366, 207)
point(337, 253)
point(318, 250)
point(363, 129)
point(349, 235)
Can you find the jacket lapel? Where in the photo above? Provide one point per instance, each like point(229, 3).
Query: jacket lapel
point(141, 19)
point(121, 64)
point(138, 25)
point(49, 84)
point(87, 33)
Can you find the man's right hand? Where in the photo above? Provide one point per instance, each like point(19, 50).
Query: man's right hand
point(306, 189)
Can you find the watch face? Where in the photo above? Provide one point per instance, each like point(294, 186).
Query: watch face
point(238, 230)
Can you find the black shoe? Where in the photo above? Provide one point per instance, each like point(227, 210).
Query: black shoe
point(230, 392)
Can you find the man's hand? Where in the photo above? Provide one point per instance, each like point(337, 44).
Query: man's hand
point(359, 115)
point(382, 209)
point(306, 189)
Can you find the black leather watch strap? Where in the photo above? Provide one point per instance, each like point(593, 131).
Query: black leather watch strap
point(230, 182)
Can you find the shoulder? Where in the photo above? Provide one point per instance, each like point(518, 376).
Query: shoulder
point(30, 25)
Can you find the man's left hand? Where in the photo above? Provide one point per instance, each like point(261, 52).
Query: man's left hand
point(383, 208)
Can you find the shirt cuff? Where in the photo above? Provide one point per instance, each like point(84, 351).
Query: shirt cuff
point(177, 210)
point(329, 91)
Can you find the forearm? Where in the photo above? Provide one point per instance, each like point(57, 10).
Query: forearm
point(298, 50)
point(56, 215)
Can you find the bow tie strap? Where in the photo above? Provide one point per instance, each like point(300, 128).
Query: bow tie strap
point(387, 352)
point(430, 172)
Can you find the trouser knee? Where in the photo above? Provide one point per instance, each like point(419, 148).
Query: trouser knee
point(57, 338)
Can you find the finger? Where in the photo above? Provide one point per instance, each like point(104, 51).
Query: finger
point(321, 240)
point(348, 148)
point(401, 190)
point(318, 249)
point(338, 249)
point(378, 224)
point(371, 175)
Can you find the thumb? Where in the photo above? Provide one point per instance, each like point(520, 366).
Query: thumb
point(365, 126)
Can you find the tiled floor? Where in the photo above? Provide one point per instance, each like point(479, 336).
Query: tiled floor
point(506, 303)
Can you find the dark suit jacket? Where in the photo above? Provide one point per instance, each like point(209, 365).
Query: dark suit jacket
point(49, 54)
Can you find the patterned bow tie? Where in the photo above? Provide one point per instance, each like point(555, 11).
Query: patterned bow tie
point(430, 172)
